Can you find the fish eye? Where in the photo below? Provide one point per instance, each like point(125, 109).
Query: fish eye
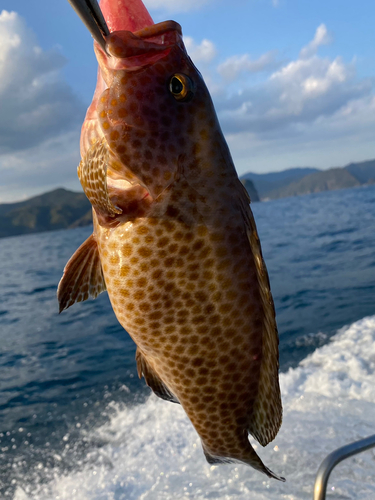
point(181, 87)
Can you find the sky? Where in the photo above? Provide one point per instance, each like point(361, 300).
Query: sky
point(293, 83)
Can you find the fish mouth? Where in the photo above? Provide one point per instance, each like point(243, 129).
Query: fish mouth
point(129, 51)
point(112, 15)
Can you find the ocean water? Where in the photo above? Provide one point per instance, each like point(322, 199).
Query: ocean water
point(76, 423)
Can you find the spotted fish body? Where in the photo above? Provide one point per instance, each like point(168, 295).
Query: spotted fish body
point(175, 244)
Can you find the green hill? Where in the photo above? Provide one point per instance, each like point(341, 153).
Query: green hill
point(57, 209)
point(327, 180)
point(363, 171)
point(300, 181)
point(265, 183)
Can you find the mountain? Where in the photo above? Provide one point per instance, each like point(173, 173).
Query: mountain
point(250, 188)
point(56, 209)
point(265, 183)
point(327, 180)
point(299, 181)
point(363, 171)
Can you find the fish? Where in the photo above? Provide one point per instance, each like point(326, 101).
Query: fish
point(174, 242)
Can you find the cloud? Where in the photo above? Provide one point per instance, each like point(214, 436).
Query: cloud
point(41, 168)
point(322, 37)
point(299, 92)
point(312, 107)
point(40, 115)
point(233, 66)
point(205, 52)
point(36, 103)
point(329, 141)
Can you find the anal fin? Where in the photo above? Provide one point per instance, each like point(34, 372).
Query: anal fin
point(83, 276)
point(152, 379)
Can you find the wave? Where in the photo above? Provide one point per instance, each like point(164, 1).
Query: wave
point(150, 450)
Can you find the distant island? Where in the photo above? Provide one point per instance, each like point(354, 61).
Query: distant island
point(63, 209)
point(58, 209)
point(300, 181)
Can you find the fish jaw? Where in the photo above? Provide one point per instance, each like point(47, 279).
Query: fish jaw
point(125, 15)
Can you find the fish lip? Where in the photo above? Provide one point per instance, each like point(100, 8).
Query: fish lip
point(141, 59)
point(156, 30)
point(127, 50)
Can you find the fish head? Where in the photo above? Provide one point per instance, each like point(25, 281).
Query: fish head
point(152, 105)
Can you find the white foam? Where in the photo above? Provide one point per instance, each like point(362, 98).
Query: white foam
point(152, 451)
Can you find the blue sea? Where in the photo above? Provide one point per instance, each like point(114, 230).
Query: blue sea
point(77, 424)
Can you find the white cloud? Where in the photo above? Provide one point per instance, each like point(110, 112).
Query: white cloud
point(40, 115)
point(329, 141)
point(311, 107)
point(204, 52)
point(41, 168)
point(322, 37)
point(36, 103)
point(233, 66)
point(300, 92)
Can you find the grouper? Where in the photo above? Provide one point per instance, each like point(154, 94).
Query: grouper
point(175, 242)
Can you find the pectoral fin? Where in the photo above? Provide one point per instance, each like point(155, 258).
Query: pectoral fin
point(152, 379)
point(92, 173)
point(83, 276)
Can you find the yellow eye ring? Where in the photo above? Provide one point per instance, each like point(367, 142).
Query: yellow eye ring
point(181, 87)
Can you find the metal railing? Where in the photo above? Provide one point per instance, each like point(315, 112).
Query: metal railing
point(333, 459)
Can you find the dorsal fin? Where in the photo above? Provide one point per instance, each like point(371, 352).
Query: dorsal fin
point(152, 379)
point(267, 412)
point(83, 276)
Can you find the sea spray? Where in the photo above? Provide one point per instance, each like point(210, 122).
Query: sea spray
point(329, 400)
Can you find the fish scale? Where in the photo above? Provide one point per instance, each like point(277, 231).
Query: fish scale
point(179, 252)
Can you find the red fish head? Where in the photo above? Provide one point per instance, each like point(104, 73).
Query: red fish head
point(156, 112)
